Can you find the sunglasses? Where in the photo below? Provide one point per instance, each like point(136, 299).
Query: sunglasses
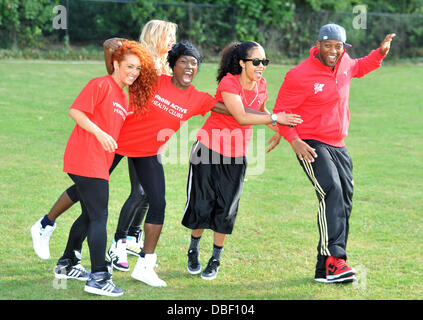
point(256, 61)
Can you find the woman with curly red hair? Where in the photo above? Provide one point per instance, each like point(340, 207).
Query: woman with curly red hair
point(143, 87)
point(157, 37)
point(99, 112)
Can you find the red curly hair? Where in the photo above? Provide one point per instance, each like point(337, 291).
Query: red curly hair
point(141, 91)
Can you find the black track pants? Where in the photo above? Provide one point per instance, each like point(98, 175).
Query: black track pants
point(332, 178)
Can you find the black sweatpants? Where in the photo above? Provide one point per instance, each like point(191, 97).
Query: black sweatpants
point(332, 178)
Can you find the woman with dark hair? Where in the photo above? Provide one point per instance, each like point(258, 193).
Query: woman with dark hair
point(175, 101)
point(218, 157)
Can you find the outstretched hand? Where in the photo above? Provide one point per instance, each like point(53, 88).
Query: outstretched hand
point(386, 44)
point(289, 119)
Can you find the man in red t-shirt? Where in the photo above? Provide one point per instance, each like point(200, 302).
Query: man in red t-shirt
point(318, 90)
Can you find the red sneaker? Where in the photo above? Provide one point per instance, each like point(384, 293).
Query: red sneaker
point(336, 268)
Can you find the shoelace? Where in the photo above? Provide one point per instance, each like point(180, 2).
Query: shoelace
point(340, 263)
point(213, 264)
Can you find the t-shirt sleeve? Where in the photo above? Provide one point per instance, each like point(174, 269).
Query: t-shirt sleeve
point(205, 102)
point(229, 84)
point(90, 96)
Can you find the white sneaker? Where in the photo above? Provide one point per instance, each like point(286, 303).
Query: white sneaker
point(41, 238)
point(117, 255)
point(134, 245)
point(144, 271)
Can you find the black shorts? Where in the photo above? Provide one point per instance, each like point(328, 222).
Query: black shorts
point(214, 187)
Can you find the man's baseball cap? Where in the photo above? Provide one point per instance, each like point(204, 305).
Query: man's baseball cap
point(333, 31)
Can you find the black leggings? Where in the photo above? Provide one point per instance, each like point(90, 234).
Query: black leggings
point(94, 196)
point(149, 171)
point(134, 208)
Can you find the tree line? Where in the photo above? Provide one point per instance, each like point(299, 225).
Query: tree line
point(285, 26)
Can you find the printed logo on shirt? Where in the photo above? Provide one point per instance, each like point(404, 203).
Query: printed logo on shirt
point(318, 87)
point(168, 106)
point(120, 110)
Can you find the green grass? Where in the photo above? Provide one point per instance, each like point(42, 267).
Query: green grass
point(271, 254)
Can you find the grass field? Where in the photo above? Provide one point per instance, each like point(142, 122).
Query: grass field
point(271, 254)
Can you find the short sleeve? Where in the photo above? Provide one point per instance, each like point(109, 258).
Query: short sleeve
point(206, 102)
point(90, 96)
point(230, 84)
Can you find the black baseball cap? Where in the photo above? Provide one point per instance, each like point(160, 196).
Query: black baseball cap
point(333, 31)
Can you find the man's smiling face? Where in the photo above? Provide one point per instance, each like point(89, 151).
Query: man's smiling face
point(330, 51)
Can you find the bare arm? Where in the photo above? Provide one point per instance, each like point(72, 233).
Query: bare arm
point(276, 138)
point(107, 142)
point(236, 108)
point(109, 46)
point(222, 109)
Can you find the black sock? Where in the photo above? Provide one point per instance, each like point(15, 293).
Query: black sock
point(46, 221)
point(195, 243)
point(217, 251)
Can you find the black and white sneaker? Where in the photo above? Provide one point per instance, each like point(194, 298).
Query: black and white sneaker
point(210, 272)
point(101, 283)
point(70, 269)
point(117, 255)
point(194, 265)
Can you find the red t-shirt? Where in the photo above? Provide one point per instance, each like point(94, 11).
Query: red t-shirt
point(106, 105)
point(166, 112)
point(222, 133)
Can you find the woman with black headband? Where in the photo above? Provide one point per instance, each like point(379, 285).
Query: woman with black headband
point(175, 101)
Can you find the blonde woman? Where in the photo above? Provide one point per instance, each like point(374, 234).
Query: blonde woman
point(158, 37)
